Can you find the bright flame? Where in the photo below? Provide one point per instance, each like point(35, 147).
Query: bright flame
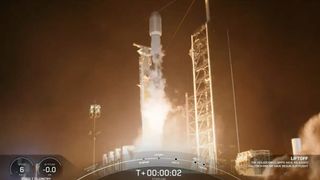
point(155, 109)
point(155, 113)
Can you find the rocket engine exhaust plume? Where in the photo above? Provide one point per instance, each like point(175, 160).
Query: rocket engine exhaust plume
point(154, 112)
point(309, 135)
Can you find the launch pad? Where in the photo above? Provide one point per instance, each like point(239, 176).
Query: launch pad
point(199, 114)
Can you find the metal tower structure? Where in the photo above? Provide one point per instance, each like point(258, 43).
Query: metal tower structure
point(145, 63)
point(144, 69)
point(190, 122)
point(203, 123)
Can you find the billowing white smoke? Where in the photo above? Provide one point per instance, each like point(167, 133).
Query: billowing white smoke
point(310, 138)
point(155, 109)
point(175, 133)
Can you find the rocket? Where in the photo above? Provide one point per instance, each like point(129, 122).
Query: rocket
point(154, 106)
point(155, 31)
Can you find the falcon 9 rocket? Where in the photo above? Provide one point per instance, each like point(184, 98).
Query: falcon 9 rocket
point(154, 104)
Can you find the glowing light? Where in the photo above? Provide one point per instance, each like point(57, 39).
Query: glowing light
point(155, 109)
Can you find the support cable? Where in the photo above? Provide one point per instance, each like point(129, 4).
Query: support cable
point(233, 92)
point(166, 5)
point(182, 20)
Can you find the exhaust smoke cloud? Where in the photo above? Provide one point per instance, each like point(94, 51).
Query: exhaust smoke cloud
point(310, 138)
point(154, 112)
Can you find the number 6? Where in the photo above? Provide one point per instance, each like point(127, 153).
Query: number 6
point(21, 169)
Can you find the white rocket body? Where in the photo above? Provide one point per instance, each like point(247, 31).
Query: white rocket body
point(155, 31)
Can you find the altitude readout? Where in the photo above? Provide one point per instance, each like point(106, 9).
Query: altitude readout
point(50, 167)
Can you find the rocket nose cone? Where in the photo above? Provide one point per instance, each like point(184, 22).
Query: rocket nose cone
point(155, 23)
point(155, 14)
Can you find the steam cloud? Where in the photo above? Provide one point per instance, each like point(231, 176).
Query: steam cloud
point(310, 138)
point(154, 110)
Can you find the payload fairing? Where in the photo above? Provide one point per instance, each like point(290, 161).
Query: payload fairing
point(155, 31)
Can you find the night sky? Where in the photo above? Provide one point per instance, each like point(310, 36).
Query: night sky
point(58, 57)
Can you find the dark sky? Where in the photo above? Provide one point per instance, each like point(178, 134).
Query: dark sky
point(58, 57)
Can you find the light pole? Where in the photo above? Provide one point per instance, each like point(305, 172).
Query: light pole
point(95, 113)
